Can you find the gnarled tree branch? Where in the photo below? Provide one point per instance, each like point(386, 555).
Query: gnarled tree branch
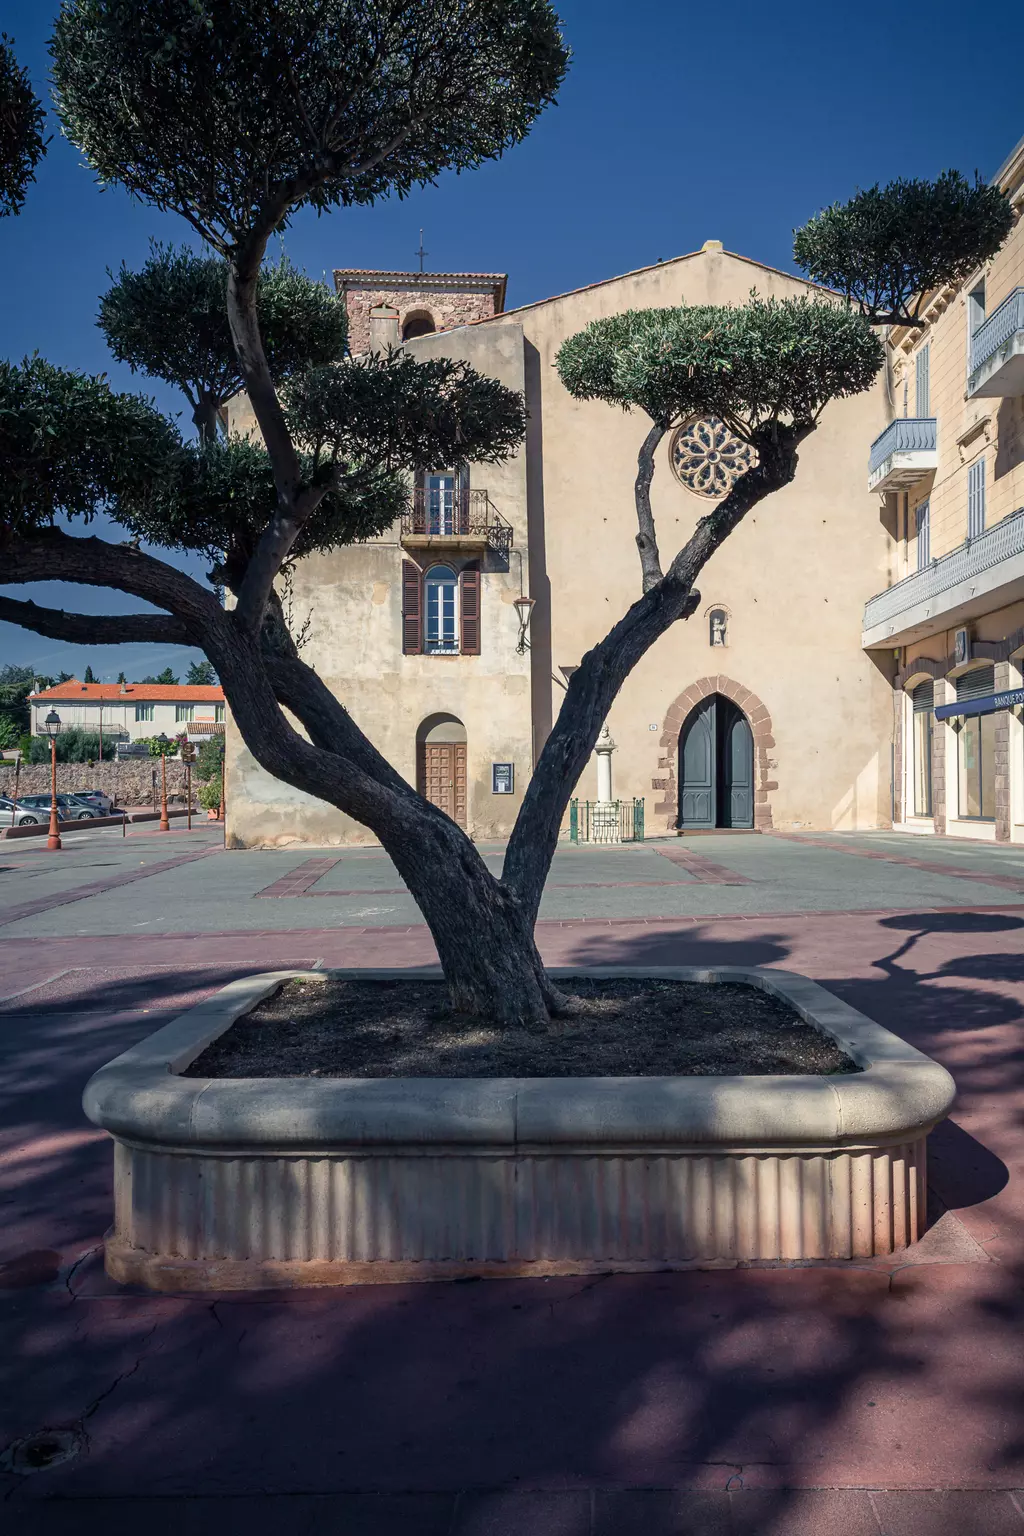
point(647, 539)
point(94, 629)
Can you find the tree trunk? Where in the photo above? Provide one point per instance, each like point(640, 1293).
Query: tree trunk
point(483, 937)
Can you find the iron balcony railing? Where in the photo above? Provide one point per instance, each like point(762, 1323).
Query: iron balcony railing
point(455, 513)
point(1001, 324)
point(973, 557)
point(606, 821)
point(908, 434)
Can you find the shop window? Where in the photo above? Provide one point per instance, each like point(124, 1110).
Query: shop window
point(923, 699)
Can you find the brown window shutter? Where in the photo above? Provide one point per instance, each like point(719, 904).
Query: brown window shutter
point(469, 606)
point(412, 608)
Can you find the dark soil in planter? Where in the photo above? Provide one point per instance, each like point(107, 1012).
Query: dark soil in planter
point(620, 1028)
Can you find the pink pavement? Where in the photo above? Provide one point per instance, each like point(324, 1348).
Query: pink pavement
point(759, 1384)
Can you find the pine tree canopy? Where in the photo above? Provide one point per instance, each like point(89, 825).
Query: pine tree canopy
point(889, 247)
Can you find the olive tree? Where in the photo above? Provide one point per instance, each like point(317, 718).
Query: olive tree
point(235, 115)
point(888, 247)
point(22, 145)
point(169, 320)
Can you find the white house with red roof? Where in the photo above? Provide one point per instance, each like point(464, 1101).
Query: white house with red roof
point(132, 711)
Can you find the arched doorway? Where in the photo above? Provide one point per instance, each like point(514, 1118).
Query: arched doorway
point(441, 764)
point(716, 766)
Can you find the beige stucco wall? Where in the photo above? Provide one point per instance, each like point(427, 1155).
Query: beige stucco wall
point(794, 576)
point(353, 600)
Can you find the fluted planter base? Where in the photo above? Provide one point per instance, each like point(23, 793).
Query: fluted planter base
point(230, 1184)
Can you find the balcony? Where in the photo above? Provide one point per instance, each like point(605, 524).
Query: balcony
point(997, 351)
point(458, 519)
point(985, 572)
point(903, 454)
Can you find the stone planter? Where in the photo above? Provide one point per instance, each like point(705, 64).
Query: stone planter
point(243, 1183)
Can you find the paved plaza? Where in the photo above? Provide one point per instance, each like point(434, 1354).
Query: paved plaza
point(881, 1397)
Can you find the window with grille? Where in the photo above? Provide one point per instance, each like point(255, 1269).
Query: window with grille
point(143, 711)
point(922, 379)
point(924, 535)
point(184, 712)
point(976, 499)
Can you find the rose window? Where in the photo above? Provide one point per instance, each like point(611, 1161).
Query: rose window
point(707, 458)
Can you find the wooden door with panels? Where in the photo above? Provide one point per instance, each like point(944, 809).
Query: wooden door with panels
point(442, 777)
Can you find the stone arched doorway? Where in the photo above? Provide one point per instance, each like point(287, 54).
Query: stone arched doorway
point(441, 764)
point(726, 732)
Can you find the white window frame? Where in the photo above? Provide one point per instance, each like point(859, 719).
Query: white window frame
point(144, 712)
point(922, 370)
point(432, 583)
point(184, 713)
point(976, 498)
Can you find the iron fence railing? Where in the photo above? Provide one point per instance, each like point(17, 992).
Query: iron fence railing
point(985, 550)
point(456, 512)
point(907, 434)
point(997, 329)
point(606, 821)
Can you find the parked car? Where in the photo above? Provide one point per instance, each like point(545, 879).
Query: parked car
point(96, 797)
point(22, 815)
point(69, 807)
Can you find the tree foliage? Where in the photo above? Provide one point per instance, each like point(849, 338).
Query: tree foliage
point(888, 247)
point(230, 113)
point(22, 145)
point(169, 320)
point(767, 362)
point(70, 446)
point(201, 675)
point(392, 412)
point(73, 746)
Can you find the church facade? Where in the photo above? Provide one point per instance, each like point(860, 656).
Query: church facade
point(451, 638)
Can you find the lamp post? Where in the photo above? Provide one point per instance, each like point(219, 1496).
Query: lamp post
point(165, 825)
point(52, 725)
point(524, 612)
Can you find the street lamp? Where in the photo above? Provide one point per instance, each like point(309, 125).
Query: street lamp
point(163, 744)
point(52, 726)
point(524, 611)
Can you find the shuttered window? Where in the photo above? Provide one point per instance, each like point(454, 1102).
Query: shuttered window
point(924, 535)
point(976, 499)
point(412, 608)
point(470, 608)
point(976, 749)
point(923, 382)
point(976, 684)
point(441, 611)
point(923, 699)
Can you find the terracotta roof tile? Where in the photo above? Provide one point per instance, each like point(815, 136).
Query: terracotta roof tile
point(135, 693)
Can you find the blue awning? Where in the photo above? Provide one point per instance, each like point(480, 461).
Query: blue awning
point(987, 705)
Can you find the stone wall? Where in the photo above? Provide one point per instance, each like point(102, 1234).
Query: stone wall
point(132, 783)
point(447, 309)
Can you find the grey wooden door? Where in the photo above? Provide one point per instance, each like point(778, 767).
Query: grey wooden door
point(737, 759)
point(698, 767)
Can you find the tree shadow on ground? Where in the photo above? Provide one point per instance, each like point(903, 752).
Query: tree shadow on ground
point(779, 1378)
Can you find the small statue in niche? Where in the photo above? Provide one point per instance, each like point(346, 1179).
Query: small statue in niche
point(719, 626)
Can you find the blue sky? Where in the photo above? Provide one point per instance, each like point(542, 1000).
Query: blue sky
point(677, 124)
